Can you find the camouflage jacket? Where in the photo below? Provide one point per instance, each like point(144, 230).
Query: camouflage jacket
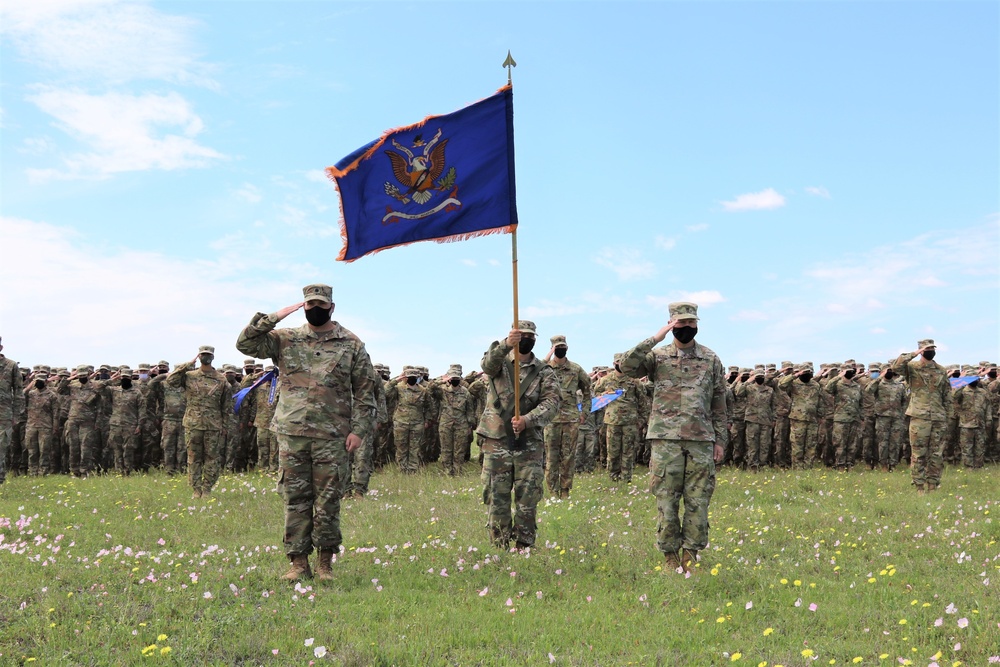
point(539, 399)
point(457, 404)
point(11, 391)
point(782, 401)
point(43, 407)
point(759, 401)
point(972, 407)
point(206, 395)
point(412, 404)
point(805, 396)
point(846, 400)
point(84, 399)
point(867, 400)
point(888, 397)
point(570, 377)
point(689, 391)
point(126, 406)
point(327, 380)
point(381, 409)
point(623, 411)
point(266, 403)
point(173, 401)
point(930, 390)
point(739, 400)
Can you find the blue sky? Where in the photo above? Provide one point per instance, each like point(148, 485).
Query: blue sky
point(821, 177)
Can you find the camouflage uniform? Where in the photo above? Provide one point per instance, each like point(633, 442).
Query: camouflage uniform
point(410, 419)
point(586, 441)
point(385, 446)
point(687, 420)
point(889, 404)
point(207, 396)
point(266, 400)
point(362, 458)
point(621, 417)
point(560, 433)
point(126, 409)
point(929, 411)
point(327, 394)
point(456, 421)
point(846, 416)
point(759, 419)
point(737, 422)
point(802, 417)
point(512, 467)
point(172, 442)
point(81, 424)
point(993, 430)
point(42, 415)
point(782, 407)
point(868, 449)
point(974, 412)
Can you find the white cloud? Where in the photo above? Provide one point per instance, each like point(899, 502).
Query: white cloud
point(750, 316)
point(108, 41)
point(123, 133)
point(249, 193)
point(700, 227)
point(469, 262)
point(317, 176)
point(302, 223)
point(818, 191)
point(930, 281)
point(878, 330)
point(764, 200)
point(628, 264)
point(494, 262)
point(665, 242)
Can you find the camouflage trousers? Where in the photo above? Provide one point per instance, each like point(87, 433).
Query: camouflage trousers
point(204, 459)
point(844, 443)
point(758, 438)
point(738, 441)
point(586, 450)
point(952, 449)
point(454, 436)
point(681, 469)
point(6, 435)
point(152, 453)
point(513, 475)
point(888, 440)
point(122, 441)
point(312, 478)
point(384, 449)
point(560, 455)
point(973, 443)
point(173, 447)
point(81, 438)
point(868, 450)
point(38, 443)
point(802, 437)
point(360, 462)
point(621, 451)
point(408, 438)
point(267, 450)
point(782, 444)
point(926, 451)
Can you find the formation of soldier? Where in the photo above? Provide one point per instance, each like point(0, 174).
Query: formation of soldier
point(116, 418)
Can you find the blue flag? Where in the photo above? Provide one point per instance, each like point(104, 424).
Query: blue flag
point(962, 381)
point(447, 178)
point(242, 393)
point(598, 402)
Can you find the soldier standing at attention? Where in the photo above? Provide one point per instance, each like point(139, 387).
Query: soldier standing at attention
point(11, 406)
point(929, 412)
point(513, 447)
point(410, 419)
point(43, 412)
point(126, 405)
point(326, 408)
point(687, 430)
point(457, 419)
point(206, 396)
point(81, 424)
point(560, 434)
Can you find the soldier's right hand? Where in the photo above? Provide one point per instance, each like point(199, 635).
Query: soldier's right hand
point(662, 333)
point(513, 338)
point(288, 310)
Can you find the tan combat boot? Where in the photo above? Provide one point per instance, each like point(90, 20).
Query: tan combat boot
point(323, 570)
point(299, 568)
point(689, 559)
point(673, 563)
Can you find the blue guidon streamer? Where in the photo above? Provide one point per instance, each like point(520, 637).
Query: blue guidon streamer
point(598, 402)
point(242, 393)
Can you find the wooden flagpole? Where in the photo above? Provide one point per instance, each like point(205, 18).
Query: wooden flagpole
point(509, 64)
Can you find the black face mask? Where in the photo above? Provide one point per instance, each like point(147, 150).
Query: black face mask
point(39, 384)
point(526, 345)
point(411, 381)
point(455, 381)
point(685, 335)
point(956, 374)
point(385, 376)
point(731, 378)
point(974, 384)
point(759, 380)
point(888, 375)
point(318, 316)
point(805, 377)
point(928, 354)
point(992, 375)
point(205, 359)
point(83, 380)
point(126, 383)
point(744, 377)
point(105, 376)
point(849, 374)
point(561, 352)
point(618, 367)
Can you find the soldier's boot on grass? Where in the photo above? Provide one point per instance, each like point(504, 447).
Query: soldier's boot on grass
point(689, 559)
point(324, 571)
point(299, 568)
point(673, 563)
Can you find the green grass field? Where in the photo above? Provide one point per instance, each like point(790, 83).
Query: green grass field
point(804, 568)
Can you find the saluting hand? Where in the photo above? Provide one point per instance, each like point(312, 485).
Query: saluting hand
point(288, 310)
point(662, 333)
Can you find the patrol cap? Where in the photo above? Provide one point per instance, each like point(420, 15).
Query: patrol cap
point(206, 349)
point(268, 368)
point(125, 370)
point(927, 342)
point(258, 367)
point(526, 326)
point(412, 372)
point(455, 371)
point(597, 369)
point(558, 340)
point(229, 368)
point(758, 370)
point(970, 371)
point(734, 369)
point(875, 366)
point(787, 364)
point(64, 372)
point(163, 363)
point(249, 362)
point(82, 368)
point(758, 367)
point(143, 367)
point(318, 292)
point(769, 367)
point(985, 364)
point(683, 310)
point(850, 362)
point(618, 356)
point(42, 373)
point(745, 371)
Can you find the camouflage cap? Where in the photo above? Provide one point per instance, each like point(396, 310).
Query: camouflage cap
point(874, 366)
point(758, 370)
point(206, 349)
point(618, 356)
point(597, 369)
point(249, 362)
point(268, 368)
point(454, 371)
point(927, 342)
point(770, 367)
point(82, 368)
point(318, 292)
point(125, 370)
point(104, 367)
point(229, 368)
point(63, 372)
point(952, 367)
point(849, 362)
point(759, 367)
point(143, 367)
point(412, 372)
point(734, 369)
point(558, 340)
point(683, 310)
point(984, 364)
point(787, 364)
point(745, 371)
point(258, 366)
point(970, 371)
point(163, 362)
point(526, 326)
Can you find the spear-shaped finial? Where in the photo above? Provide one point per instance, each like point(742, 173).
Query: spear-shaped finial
point(509, 63)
